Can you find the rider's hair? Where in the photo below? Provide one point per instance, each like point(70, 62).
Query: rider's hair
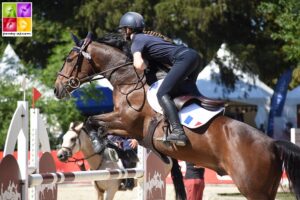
point(156, 34)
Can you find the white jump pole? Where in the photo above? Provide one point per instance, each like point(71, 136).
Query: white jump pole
point(18, 129)
point(79, 176)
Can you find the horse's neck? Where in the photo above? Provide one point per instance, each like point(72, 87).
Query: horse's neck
point(108, 58)
point(87, 151)
point(125, 76)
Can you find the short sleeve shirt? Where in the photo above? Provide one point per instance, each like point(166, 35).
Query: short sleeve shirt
point(153, 48)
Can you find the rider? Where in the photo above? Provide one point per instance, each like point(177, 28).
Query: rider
point(184, 65)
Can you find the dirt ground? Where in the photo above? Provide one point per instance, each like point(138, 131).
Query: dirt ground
point(211, 192)
point(86, 191)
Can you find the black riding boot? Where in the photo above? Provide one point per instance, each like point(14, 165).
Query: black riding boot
point(177, 136)
point(96, 144)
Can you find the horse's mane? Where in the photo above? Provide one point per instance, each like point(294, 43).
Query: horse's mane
point(116, 40)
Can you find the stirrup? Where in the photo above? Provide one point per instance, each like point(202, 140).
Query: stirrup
point(177, 141)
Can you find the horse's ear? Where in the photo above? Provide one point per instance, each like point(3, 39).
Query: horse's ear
point(89, 35)
point(78, 127)
point(75, 39)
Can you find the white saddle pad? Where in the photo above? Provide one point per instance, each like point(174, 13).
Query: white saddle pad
point(191, 116)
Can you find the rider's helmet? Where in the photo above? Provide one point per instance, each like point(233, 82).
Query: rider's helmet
point(132, 20)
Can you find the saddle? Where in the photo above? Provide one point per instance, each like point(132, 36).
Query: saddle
point(194, 111)
point(205, 102)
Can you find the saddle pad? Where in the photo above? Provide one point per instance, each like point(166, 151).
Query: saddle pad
point(191, 116)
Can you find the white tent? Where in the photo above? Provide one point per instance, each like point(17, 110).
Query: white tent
point(10, 65)
point(11, 69)
point(290, 107)
point(248, 89)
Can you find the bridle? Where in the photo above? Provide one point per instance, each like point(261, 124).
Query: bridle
point(81, 53)
point(74, 81)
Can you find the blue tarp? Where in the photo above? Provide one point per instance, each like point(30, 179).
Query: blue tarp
point(94, 107)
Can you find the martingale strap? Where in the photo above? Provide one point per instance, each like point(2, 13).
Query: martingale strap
point(147, 141)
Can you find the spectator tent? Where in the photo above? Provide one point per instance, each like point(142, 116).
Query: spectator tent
point(291, 111)
point(248, 90)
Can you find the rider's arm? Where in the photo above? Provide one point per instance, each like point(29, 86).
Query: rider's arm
point(138, 61)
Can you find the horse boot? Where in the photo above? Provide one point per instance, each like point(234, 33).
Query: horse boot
point(111, 154)
point(177, 135)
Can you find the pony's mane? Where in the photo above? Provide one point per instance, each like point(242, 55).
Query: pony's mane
point(116, 40)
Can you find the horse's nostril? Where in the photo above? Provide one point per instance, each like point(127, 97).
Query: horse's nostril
point(61, 156)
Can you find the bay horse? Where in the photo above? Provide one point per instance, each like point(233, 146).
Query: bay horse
point(254, 161)
point(76, 139)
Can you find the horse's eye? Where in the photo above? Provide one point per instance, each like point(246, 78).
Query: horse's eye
point(73, 139)
point(69, 59)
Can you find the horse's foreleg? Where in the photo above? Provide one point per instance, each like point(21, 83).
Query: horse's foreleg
point(110, 122)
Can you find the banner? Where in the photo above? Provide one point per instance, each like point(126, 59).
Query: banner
point(278, 99)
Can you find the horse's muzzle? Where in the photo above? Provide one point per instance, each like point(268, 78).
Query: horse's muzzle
point(62, 155)
point(59, 91)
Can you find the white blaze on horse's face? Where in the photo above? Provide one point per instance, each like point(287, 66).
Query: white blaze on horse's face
point(71, 142)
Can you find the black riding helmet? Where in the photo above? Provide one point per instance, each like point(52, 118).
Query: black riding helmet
point(132, 20)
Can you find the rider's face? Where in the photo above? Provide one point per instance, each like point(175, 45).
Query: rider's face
point(126, 32)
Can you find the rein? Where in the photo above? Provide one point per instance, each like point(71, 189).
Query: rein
point(137, 87)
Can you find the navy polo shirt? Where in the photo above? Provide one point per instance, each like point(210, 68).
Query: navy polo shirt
point(154, 48)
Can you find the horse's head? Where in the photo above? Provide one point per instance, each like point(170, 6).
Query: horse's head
point(76, 69)
point(86, 60)
point(71, 142)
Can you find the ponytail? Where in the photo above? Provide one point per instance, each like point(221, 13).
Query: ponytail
point(156, 34)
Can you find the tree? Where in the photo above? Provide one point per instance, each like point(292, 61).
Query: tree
point(286, 16)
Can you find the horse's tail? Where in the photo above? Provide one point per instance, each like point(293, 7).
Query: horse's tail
point(290, 155)
point(178, 181)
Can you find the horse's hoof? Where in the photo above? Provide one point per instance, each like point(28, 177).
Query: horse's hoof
point(180, 143)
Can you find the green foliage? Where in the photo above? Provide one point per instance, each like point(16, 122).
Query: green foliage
point(285, 17)
point(8, 103)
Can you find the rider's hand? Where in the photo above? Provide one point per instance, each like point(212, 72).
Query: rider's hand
point(133, 143)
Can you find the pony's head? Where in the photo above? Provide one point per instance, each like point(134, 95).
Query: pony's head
point(71, 142)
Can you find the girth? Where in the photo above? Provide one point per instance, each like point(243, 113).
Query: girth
point(147, 141)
